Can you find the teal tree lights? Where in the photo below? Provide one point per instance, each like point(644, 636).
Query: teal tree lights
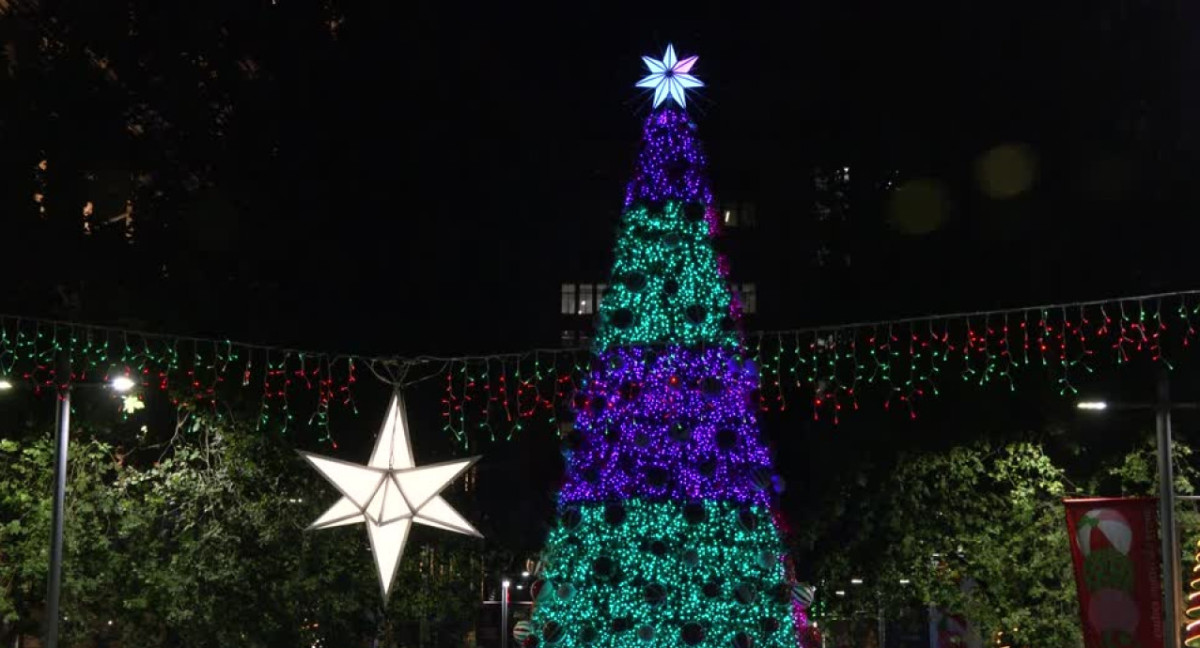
point(666, 536)
point(666, 574)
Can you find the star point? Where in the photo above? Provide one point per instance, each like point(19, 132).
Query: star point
point(391, 493)
point(670, 77)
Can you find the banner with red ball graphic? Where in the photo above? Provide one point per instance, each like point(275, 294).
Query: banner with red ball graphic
point(1115, 547)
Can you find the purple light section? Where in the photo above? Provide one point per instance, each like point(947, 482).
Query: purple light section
point(672, 423)
point(684, 66)
point(671, 165)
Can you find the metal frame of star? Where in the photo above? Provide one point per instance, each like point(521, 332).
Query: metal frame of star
point(670, 77)
point(390, 493)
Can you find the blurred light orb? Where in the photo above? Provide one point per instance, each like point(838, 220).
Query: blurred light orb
point(918, 206)
point(1006, 171)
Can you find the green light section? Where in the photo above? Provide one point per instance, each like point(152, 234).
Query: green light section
point(667, 286)
point(658, 544)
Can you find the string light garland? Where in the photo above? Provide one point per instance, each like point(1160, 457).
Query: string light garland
point(192, 371)
point(895, 364)
point(827, 370)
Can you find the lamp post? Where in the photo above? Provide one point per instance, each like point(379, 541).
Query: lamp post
point(1162, 408)
point(120, 384)
point(504, 585)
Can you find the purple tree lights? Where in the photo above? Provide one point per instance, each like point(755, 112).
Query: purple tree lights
point(671, 163)
point(674, 423)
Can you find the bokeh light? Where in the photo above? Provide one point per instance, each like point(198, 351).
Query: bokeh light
point(1006, 171)
point(919, 206)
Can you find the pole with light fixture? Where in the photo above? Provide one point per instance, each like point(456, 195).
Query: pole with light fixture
point(63, 425)
point(504, 585)
point(1162, 408)
point(119, 384)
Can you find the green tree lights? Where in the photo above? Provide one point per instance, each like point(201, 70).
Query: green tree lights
point(665, 574)
point(667, 284)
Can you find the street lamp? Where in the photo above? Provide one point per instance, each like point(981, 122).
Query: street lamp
point(504, 585)
point(120, 384)
point(1162, 408)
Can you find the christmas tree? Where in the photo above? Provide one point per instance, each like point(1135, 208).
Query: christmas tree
point(666, 535)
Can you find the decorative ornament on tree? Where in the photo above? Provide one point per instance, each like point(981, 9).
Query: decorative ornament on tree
point(803, 593)
point(390, 493)
point(521, 630)
point(670, 78)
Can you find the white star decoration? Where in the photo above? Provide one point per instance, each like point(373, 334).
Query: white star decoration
point(670, 78)
point(390, 493)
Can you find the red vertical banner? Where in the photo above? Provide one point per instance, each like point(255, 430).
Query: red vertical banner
point(1118, 561)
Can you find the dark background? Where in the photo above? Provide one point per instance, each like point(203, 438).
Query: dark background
point(420, 177)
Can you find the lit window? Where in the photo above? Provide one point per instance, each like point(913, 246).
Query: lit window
point(749, 217)
point(749, 298)
point(601, 291)
point(568, 299)
point(729, 217)
point(587, 302)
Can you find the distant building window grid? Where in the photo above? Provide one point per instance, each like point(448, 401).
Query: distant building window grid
point(586, 300)
point(741, 215)
point(568, 299)
point(747, 294)
point(581, 299)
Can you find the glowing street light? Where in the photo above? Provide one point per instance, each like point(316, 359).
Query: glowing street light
point(856, 581)
point(1092, 405)
point(122, 384)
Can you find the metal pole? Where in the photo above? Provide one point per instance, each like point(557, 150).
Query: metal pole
point(882, 625)
point(1166, 514)
point(60, 491)
point(504, 615)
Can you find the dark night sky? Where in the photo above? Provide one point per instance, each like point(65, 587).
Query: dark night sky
point(454, 159)
point(423, 182)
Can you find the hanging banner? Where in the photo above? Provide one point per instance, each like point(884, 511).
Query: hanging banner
point(951, 631)
point(1115, 547)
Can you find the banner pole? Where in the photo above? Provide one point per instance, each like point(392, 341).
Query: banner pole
point(1166, 515)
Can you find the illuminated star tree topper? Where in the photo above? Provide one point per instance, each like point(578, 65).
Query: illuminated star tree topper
point(390, 493)
point(670, 78)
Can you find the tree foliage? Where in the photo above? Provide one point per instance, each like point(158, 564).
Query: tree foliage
point(977, 530)
point(203, 544)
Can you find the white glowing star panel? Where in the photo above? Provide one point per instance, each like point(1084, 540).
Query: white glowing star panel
point(390, 493)
point(670, 78)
